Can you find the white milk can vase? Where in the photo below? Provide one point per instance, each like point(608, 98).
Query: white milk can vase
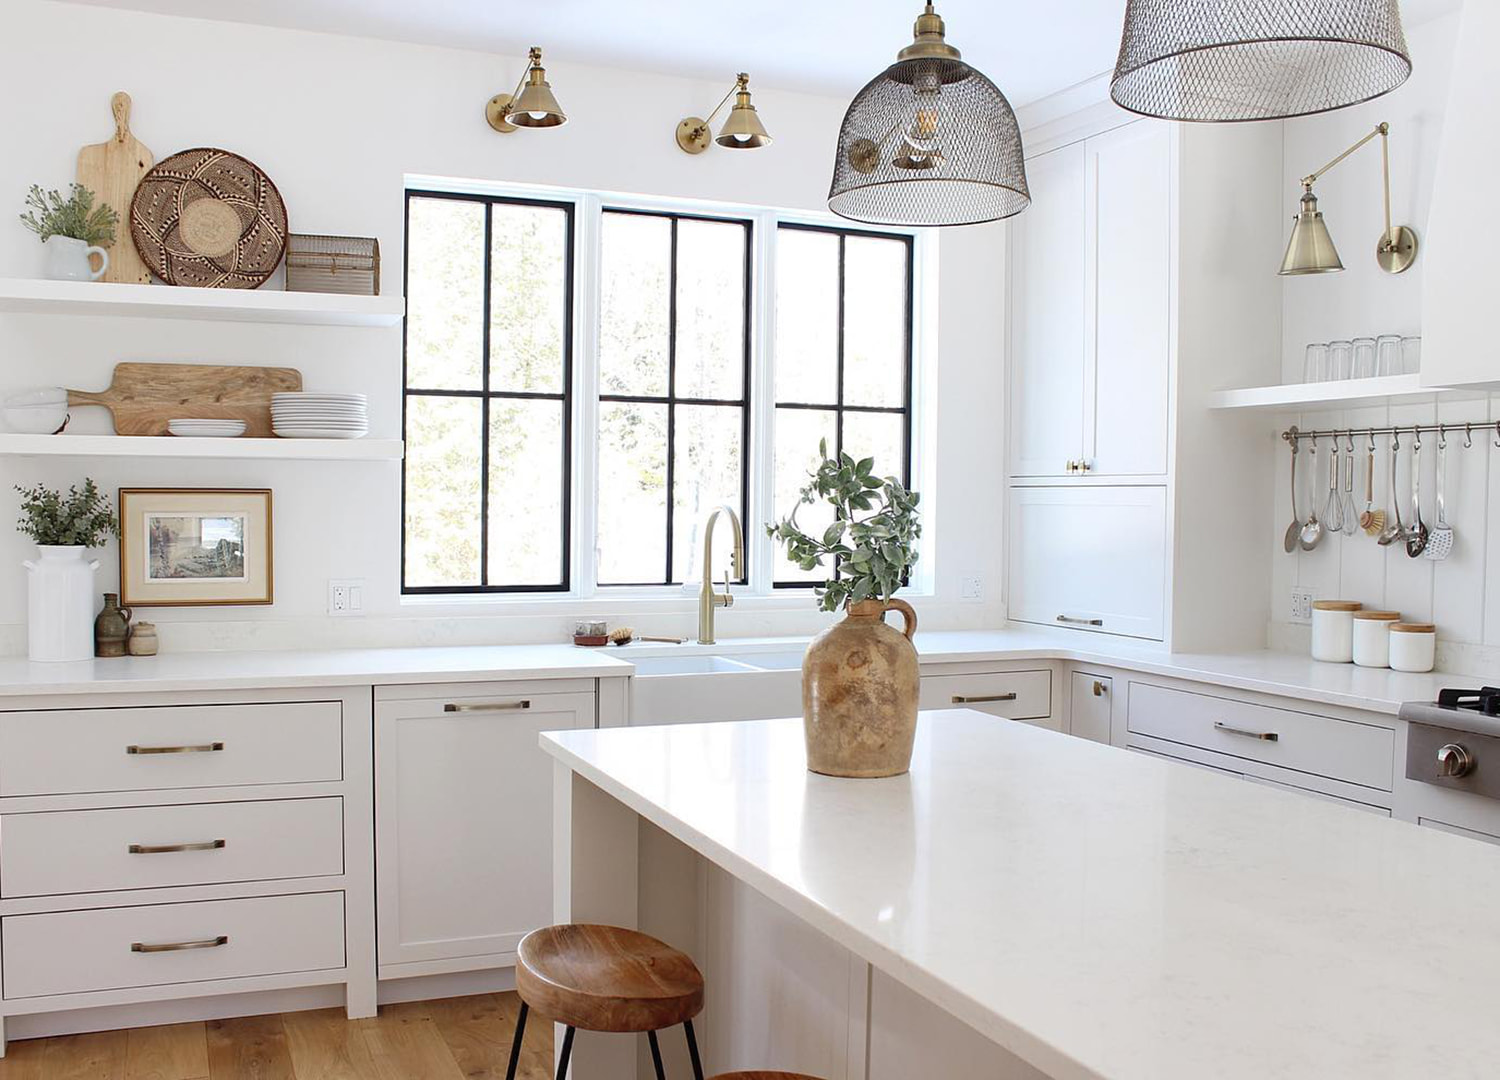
point(60, 604)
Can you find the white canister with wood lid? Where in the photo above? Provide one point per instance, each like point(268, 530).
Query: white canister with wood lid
point(1372, 637)
point(1333, 630)
point(1413, 646)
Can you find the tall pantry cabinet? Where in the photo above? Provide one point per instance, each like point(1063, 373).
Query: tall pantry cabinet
point(1098, 338)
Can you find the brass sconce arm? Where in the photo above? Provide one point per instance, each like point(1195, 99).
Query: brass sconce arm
point(1383, 130)
point(742, 128)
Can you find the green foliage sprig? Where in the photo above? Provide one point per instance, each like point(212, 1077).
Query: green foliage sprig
point(81, 518)
point(871, 554)
point(76, 216)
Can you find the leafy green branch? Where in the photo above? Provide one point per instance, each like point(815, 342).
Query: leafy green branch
point(81, 518)
point(76, 216)
point(871, 555)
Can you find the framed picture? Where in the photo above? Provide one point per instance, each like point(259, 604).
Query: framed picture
point(181, 546)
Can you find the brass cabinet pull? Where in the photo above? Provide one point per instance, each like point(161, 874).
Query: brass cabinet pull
point(206, 748)
point(960, 699)
point(1080, 622)
point(1263, 736)
point(486, 706)
point(181, 946)
point(1099, 688)
point(162, 849)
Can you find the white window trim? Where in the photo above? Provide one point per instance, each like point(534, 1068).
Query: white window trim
point(762, 552)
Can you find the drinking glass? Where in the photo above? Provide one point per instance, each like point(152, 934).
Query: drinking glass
point(1388, 354)
point(1340, 359)
point(1411, 355)
point(1364, 359)
point(1315, 367)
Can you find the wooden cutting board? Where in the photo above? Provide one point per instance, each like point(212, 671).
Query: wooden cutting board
point(143, 397)
point(112, 171)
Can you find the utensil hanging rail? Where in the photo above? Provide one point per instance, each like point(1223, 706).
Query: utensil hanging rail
point(1295, 435)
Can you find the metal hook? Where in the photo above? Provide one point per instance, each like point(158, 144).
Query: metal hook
point(1442, 436)
point(1416, 434)
point(1468, 436)
point(1371, 436)
point(1497, 434)
point(1349, 438)
point(1395, 440)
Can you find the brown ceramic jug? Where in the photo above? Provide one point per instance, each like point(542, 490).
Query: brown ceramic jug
point(859, 693)
point(112, 627)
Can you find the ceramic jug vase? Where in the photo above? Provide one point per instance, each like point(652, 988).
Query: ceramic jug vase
point(60, 604)
point(859, 693)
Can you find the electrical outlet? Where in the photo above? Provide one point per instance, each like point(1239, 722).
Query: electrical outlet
point(346, 596)
point(971, 588)
point(1301, 606)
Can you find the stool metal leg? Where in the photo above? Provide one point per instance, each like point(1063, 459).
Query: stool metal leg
point(515, 1043)
point(661, 1074)
point(692, 1041)
point(567, 1052)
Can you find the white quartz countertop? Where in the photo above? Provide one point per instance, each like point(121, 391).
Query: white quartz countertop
point(1284, 674)
point(1096, 912)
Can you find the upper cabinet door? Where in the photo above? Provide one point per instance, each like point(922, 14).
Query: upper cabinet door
point(1128, 317)
point(1047, 318)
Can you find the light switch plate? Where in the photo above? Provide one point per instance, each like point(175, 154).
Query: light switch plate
point(1300, 610)
point(346, 596)
point(971, 588)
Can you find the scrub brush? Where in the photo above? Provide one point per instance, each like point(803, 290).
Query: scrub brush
point(626, 634)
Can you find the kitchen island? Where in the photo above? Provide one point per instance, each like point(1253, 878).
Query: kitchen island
point(1023, 904)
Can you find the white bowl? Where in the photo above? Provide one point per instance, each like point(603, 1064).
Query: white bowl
point(35, 419)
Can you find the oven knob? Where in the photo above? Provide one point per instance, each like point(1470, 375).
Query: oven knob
point(1454, 760)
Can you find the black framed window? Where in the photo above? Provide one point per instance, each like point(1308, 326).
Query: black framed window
point(674, 382)
point(487, 404)
point(843, 361)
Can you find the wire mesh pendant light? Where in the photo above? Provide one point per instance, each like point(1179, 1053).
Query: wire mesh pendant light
point(1232, 60)
point(930, 141)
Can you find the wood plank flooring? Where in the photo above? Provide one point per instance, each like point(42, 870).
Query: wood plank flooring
point(464, 1038)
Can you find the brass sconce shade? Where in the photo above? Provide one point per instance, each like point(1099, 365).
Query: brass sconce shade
point(532, 105)
point(742, 128)
point(930, 141)
point(1220, 61)
point(1311, 249)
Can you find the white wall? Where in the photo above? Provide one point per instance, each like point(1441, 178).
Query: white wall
point(1462, 594)
point(338, 123)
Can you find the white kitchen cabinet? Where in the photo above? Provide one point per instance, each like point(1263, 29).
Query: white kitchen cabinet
point(1089, 706)
point(1090, 279)
point(1047, 262)
point(463, 825)
point(1089, 558)
point(1128, 300)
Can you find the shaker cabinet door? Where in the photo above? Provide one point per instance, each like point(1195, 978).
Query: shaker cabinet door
point(464, 824)
point(1047, 318)
point(1089, 558)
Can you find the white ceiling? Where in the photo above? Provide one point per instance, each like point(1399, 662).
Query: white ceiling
point(1029, 48)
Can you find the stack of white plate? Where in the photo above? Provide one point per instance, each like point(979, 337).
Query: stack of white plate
point(320, 416)
point(206, 429)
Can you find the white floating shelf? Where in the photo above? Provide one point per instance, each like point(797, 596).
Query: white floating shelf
point(1342, 394)
point(169, 446)
point(36, 297)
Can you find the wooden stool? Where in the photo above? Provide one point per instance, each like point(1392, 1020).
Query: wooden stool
point(762, 1076)
point(606, 978)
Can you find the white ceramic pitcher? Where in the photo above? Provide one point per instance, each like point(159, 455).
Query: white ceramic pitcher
point(68, 259)
point(60, 604)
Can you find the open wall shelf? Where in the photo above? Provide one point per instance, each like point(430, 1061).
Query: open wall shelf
point(1341, 394)
point(169, 446)
point(36, 297)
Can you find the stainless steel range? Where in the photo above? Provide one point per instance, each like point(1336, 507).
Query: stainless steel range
point(1454, 742)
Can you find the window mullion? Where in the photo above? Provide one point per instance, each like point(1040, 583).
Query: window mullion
point(586, 321)
point(762, 406)
point(484, 401)
point(671, 398)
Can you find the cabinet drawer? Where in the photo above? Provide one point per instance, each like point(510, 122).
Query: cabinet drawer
point(67, 751)
point(140, 847)
point(1305, 742)
point(1015, 695)
point(76, 952)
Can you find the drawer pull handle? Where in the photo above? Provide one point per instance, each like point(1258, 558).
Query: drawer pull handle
point(1263, 736)
point(486, 706)
point(1079, 622)
point(162, 849)
point(206, 748)
point(961, 699)
point(181, 946)
point(1099, 688)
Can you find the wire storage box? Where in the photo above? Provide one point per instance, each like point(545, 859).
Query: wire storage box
point(333, 264)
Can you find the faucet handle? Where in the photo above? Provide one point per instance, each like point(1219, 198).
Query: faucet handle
point(727, 598)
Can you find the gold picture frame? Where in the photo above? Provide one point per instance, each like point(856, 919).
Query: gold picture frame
point(185, 547)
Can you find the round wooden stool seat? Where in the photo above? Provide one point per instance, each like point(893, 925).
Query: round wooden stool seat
point(762, 1076)
point(606, 978)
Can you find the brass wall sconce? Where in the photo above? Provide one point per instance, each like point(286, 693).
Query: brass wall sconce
point(531, 105)
point(742, 128)
point(1311, 249)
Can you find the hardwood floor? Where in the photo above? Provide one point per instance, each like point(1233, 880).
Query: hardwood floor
point(452, 1039)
